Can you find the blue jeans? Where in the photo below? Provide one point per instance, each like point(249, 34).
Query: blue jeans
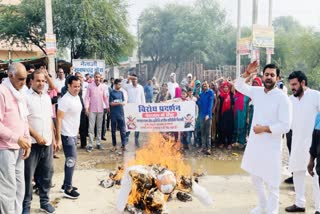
point(136, 138)
point(186, 138)
point(70, 152)
point(118, 120)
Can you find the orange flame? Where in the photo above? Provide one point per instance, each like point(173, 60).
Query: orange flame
point(158, 151)
point(167, 154)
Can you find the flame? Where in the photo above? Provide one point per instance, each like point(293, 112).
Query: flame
point(165, 153)
point(161, 151)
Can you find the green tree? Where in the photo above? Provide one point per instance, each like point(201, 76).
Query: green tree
point(178, 33)
point(297, 48)
point(24, 23)
point(90, 28)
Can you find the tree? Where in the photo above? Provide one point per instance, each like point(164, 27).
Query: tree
point(177, 33)
point(23, 24)
point(89, 28)
point(297, 48)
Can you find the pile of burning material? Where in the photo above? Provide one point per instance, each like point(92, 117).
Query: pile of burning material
point(114, 178)
point(149, 180)
point(145, 189)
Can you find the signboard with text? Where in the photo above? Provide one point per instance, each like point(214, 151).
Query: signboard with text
point(262, 36)
point(160, 117)
point(89, 66)
point(51, 46)
point(244, 46)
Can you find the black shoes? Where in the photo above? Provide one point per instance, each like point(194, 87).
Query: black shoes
point(47, 208)
point(295, 209)
point(72, 194)
point(289, 180)
point(62, 188)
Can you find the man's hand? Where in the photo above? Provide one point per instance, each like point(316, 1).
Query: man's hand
point(44, 71)
point(87, 112)
point(251, 69)
point(26, 153)
point(258, 129)
point(40, 140)
point(55, 147)
point(58, 145)
point(207, 117)
point(24, 143)
point(311, 167)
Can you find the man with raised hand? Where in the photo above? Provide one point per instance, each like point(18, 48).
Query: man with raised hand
point(262, 158)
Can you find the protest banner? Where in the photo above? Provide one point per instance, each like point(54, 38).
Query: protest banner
point(160, 117)
point(89, 66)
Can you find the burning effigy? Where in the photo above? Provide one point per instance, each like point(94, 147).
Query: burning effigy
point(150, 179)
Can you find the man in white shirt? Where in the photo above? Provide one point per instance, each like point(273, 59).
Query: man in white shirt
point(271, 119)
point(41, 156)
point(68, 122)
point(60, 81)
point(135, 94)
point(306, 105)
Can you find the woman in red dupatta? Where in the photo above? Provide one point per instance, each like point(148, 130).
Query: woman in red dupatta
point(226, 115)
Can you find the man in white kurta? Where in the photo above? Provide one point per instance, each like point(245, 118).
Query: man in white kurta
point(306, 105)
point(271, 119)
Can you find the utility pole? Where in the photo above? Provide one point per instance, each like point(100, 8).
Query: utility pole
point(254, 21)
point(255, 12)
point(238, 60)
point(49, 26)
point(270, 25)
point(139, 49)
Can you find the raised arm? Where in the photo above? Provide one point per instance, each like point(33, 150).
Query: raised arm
point(240, 83)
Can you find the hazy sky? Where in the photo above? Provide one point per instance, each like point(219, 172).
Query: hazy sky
point(307, 12)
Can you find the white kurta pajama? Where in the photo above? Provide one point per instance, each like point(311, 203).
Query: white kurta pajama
point(305, 111)
point(263, 155)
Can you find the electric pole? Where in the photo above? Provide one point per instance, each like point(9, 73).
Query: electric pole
point(238, 60)
point(254, 21)
point(49, 26)
point(270, 25)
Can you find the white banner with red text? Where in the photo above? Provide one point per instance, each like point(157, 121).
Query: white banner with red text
point(160, 117)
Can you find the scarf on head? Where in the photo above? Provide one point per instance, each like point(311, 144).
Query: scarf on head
point(226, 105)
point(197, 82)
point(258, 80)
point(20, 98)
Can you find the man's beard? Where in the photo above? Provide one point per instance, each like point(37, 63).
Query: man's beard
point(270, 86)
point(298, 92)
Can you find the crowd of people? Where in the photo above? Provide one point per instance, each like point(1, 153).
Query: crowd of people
point(39, 115)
